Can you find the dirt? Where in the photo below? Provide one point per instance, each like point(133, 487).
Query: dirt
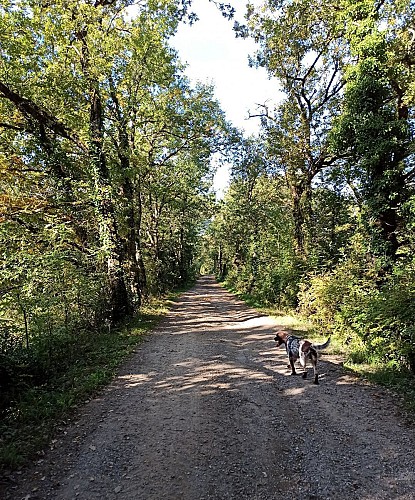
point(206, 409)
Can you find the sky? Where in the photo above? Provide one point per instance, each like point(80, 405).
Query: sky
point(215, 56)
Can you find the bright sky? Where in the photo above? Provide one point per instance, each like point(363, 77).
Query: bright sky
point(215, 55)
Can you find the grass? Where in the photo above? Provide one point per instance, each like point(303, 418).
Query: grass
point(30, 422)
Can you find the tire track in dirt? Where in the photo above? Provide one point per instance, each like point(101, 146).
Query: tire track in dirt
point(206, 409)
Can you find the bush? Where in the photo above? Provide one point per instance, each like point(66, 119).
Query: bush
point(376, 319)
point(321, 297)
point(384, 320)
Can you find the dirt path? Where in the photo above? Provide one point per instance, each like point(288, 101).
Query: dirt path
point(206, 409)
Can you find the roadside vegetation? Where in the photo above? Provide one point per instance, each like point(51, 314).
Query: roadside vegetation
point(319, 217)
point(398, 380)
point(105, 178)
point(56, 375)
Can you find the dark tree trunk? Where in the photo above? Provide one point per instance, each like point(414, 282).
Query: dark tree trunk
point(301, 210)
point(132, 210)
point(386, 192)
point(119, 303)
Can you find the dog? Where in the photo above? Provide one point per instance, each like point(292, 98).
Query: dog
point(301, 349)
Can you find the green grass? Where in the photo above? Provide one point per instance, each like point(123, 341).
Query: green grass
point(30, 422)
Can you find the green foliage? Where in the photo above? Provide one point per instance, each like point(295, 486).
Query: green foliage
point(374, 318)
point(105, 175)
point(98, 115)
point(249, 239)
point(337, 240)
point(104, 186)
point(300, 45)
point(385, 321)
point(373, 131)
point(46, 381)
point(323, 295)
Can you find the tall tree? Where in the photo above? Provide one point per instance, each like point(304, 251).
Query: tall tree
point(374, 129)
point(300, 45)
point(96, 116)
point(178, 145)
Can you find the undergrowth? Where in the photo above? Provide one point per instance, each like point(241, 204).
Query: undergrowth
point(36, 410)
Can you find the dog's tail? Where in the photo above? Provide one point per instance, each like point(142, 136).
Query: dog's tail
point(320, 347)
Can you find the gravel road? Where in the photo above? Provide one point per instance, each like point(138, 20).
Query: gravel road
point(206, 409)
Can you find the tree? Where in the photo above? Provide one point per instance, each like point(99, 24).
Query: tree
point(300, 45)
point(96, 119)
point(374, 130)
point(250, 236)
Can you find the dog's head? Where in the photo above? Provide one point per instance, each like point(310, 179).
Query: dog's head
point(280, 338)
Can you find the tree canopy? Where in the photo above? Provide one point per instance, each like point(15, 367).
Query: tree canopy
point(105, 162)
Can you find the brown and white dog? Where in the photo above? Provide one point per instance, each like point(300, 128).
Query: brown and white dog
point(300, 349)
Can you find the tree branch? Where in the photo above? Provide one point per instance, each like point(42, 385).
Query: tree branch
point(30, 109)
point(12, 127)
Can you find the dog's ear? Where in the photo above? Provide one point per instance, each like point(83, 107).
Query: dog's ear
point(281, 337)
point(278, 339)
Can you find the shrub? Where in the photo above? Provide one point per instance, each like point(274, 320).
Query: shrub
point(374, 318)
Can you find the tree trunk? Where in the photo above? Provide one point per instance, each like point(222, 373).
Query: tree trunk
point(132, 213)
point(300, 189)
point(139, 254)
point(119, 304)
point(385, 193)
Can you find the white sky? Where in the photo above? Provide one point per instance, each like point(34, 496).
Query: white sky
point(215, 55)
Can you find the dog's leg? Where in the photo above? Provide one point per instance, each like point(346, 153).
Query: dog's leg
point(303, 362)
point(305, 353)
point(292, 361)
point(314, 363)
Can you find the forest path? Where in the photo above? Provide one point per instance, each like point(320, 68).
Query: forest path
point(206, 409)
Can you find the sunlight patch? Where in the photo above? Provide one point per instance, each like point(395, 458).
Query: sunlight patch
point(134, 379)
point(346, 380)
point(294, 391)
point(252, 323)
